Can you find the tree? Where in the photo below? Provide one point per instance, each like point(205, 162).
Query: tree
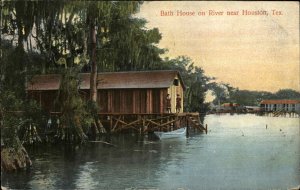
point(287, 94)
point(197, 91)
point(73, 110)
point(253, 98)
point(220, 91)
point(68, 34)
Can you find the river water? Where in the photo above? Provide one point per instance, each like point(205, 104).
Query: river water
point(239, 152)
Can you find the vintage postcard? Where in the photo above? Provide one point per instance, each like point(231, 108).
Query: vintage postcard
point(179, 95)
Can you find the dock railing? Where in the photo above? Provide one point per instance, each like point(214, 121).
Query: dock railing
point(149, 122)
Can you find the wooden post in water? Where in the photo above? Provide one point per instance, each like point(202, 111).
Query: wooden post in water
point(110, 122)
point(143, 126)
point(187, 126)
point(206, 128)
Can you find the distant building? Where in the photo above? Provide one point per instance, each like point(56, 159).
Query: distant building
point(228, 107)
point(280, 105)
point(118, 92)
point(252, 108)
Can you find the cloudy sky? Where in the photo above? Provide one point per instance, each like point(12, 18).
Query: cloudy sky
point(254, 52)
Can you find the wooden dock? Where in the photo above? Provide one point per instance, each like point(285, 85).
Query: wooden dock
point(149, 122)
point(281, 113)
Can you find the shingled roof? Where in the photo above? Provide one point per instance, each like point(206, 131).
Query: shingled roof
point(111, 80)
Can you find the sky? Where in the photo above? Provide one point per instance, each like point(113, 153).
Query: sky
point(250, 52)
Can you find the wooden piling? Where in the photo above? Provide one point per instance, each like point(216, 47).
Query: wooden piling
point(149, 122)
point(187, 127)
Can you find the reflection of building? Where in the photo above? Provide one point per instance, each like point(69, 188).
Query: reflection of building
point(280, 105)
point(118, 92)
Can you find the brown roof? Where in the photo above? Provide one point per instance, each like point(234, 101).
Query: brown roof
point(112, 80)
point(230, 104)
point(280, 102)
point(44, 82)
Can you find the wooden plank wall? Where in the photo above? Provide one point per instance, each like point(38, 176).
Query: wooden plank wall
point(44, 98)
point(114, 100)
point(132, 100)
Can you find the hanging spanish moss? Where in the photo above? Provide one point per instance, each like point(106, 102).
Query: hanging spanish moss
point(73, 116)
point(60, 37)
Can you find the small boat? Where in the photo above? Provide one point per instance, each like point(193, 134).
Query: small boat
point(172, 134)
point(295, 188)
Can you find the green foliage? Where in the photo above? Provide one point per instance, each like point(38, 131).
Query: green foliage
point(61, 42)
point(61, 32)
point(245, 97)
point(142, 54)
point(13, 75)
point(287, 94)
point(54, 36)
point(223, 92)
point(253, 98)
point(10, 124)
point(16, 115)
point(72, 107)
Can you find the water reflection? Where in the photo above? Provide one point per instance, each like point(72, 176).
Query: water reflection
point(238, 152)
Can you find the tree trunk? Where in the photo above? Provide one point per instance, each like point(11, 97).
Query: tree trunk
point(93, 79)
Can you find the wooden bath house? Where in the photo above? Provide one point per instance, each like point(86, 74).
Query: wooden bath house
point(118, 92)
point(127, 100)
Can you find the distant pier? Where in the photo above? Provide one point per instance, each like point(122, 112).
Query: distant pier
point(281, 113)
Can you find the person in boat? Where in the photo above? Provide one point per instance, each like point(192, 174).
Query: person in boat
point(178, 103)
point(168, 103)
